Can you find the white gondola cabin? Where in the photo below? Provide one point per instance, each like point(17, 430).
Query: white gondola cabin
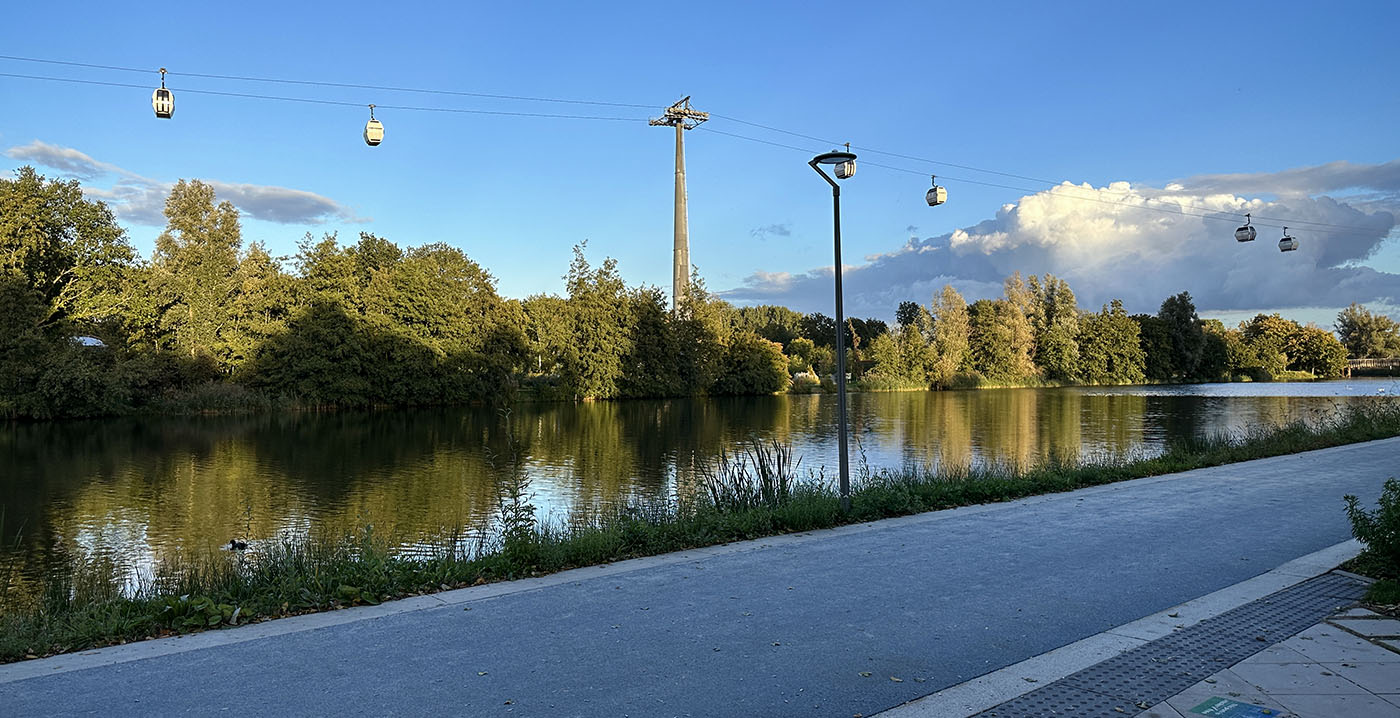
point(936, 195)
point(1246, 232)
point(1288, 243)
point(163, 100)
point(374, 129)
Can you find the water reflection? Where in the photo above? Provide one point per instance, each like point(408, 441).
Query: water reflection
point(135, 490)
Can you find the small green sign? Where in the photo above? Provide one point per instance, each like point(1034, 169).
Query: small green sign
point(1226, 708)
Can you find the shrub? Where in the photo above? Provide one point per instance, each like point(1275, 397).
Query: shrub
point(1379, 530)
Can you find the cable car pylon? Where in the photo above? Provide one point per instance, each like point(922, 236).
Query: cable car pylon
point(682, 117)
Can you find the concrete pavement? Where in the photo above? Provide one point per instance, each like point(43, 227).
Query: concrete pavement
point(853, 620)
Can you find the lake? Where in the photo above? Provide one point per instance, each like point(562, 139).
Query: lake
point(137, 489)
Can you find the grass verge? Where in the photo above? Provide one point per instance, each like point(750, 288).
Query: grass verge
point(752, 495)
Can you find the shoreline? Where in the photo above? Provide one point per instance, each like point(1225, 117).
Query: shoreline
point(208, 591)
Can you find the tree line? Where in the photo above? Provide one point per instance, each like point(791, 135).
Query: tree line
point(210, 321)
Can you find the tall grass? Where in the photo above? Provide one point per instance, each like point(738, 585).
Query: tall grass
point(750, 495)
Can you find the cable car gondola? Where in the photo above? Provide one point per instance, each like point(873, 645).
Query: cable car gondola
point(374, 129)
point(937, 195)
point(163, 100)
point(1287, 243)
point(1246, 232)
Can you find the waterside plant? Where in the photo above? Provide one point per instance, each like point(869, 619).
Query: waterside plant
point(755, 494)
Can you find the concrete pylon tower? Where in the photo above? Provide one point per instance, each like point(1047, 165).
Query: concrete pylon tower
point(681, 117)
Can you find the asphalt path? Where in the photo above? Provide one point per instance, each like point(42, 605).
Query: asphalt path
point(837, 623)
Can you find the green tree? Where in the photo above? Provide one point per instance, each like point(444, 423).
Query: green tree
point(1367, 335)
point(68, 250)
point(1318, 352)
point(999, 343)
point(801, 355)
point(1183, 328)
point(600, 326)
point(1158, 354)
point(1110, 348)
point(752, 365)
point(951, 332)
point(650, 365)
point(774, 323)
point(1056, 325)
point(1215, 351)
point(1267, 336)
point(820, 328)
point(195, 266)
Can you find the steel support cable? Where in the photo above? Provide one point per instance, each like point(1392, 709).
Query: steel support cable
point(322, 83)
point(338, 103)
point(1278, 222)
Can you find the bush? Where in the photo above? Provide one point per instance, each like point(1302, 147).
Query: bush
point(752, 365)
point(805, 383)
point(1379, 530)
point(965, 380)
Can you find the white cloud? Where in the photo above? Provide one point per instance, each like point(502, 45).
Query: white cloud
point(141, 200)
point(1142, 245)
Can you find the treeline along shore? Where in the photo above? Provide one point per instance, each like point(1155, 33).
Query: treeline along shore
point(211, 323)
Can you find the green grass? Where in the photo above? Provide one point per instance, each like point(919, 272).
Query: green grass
point(749, 496)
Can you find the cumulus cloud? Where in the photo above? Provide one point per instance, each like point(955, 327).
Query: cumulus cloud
point(771, 230)
point(1139, 244)
point(141, 200)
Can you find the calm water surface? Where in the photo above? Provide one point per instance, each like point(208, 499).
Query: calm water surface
point(136, 490)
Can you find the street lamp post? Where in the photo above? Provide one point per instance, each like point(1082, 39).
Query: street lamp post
point(845, 164)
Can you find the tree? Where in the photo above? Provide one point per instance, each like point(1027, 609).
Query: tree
point(1318, 352)
point(1056, 325)
point(600, 324)
point(702, 327)
point(1183, 328)
point(1110, 350)
point(912, 314)
point(820, 328)
point(195, 266)
point(68, 250)
point(752, 365)
point(951, 331)
point(999, 341)
point(1215, 351)
point(547, 332)
point(1155, 338)
point(650, 365)
point(1368, 335)
point(772, 322)
point(1267, 336)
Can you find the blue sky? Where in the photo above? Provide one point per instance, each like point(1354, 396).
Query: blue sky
point(1219, 98)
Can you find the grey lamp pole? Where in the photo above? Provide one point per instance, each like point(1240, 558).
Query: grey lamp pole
point(845, 167)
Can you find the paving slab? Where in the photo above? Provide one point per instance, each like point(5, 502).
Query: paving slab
point(1371, 627)
point(1374, 677)
point(1339, 706)
point(1282, 678)
point(1225, 684)
point(1326, 644)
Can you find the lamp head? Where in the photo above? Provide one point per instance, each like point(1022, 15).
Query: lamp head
point(834, 158)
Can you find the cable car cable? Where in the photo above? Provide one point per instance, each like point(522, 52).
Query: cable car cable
point(339, 103)
point(1175, 208)
point(1218, 215)
point(350, 85)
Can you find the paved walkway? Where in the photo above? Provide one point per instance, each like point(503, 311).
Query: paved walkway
point(1348, 665)
point(852, 620)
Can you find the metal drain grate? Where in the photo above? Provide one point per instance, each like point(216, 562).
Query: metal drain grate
point(1158, 670)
